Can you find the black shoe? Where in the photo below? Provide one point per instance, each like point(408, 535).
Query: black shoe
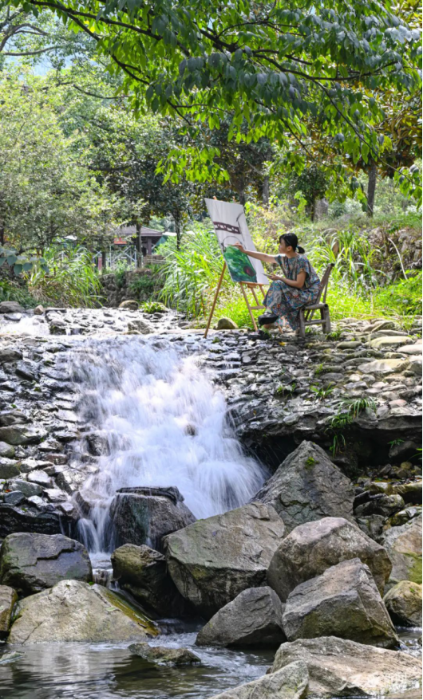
point(267, 319)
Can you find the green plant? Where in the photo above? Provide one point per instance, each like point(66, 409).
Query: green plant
point(71, 280)
point(322, 392)
point(310, 461)
point(338, 443)
point(319, 369)
point(286, 390)
point(334, 335)
point(404, 296)
point(153, 307)
point(350, 409)
point(13, 291)
point(141, 284)
point(398, 441)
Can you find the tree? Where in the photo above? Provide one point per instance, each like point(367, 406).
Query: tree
point(46, 194)
point(270, 64)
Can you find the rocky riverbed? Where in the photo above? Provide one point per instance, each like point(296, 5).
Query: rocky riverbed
point(308, 538)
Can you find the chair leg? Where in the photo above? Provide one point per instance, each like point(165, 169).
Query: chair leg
point(302, 324)
point(326, 327)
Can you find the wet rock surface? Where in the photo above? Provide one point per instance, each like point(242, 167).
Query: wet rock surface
point(142, 571)
point(312, 548)
point(215, 559)
point(8, 599)
point(342, 668)
point(31, 562)
point(308, 486)
point(290, 682)
point(343, 602)
point(164, 655)
point(253, 618)
point(142, 515)
point(73, 611)
point(404, 603)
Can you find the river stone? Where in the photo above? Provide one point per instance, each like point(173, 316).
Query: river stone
point(290, 682)
point(415, 366)
point(8, 468)
point(30, 562)
point(213, 560)
point(6, 450)
point(73, 611)
point(404, 603)
point(343, 602)
point(164, 655)
point(404, 547)
point(11, 307)
point(226, 324)
point(341, 668)
point(308, 486)
point(143, 572)
point(9, 353)
point(22, 434)
point(383, 366)
point(141, 326)
point(253, 618)
point(143, 514)
point(411, 349)
point(26, 487)
point(8, 599)
point(16, 519)
point(411, 492)
point(312, 548)
point(387, 340)
point(129, 305)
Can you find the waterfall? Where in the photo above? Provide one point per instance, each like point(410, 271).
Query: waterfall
point(161, 422)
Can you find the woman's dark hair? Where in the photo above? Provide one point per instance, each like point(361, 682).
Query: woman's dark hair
point(292, 240)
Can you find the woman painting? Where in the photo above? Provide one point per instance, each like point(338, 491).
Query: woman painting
point(297, 286)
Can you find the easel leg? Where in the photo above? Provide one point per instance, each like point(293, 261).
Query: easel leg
point(219, 284)
point(248, 306)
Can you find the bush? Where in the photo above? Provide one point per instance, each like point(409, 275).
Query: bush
point(403, 297)
point(71, 279)
point(12, 291)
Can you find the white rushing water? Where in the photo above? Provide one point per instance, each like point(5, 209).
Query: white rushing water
point(165, 425)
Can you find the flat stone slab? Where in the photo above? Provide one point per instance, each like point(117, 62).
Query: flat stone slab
point(386, 340)
point(383, 366)
point(415, 349)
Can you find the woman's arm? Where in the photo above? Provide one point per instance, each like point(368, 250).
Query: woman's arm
point(253, 254)
point(298, 283)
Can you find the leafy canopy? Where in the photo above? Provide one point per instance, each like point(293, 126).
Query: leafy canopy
point(269, 63)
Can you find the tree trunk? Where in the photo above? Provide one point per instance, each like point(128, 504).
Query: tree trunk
point(178, 229)
point(138, 245)
point(265, 193)
point(371, 189)
point(313, 209)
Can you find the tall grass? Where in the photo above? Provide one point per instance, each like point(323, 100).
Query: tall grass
point(71, 279)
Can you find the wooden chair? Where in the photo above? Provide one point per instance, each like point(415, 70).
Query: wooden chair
point(307, 312)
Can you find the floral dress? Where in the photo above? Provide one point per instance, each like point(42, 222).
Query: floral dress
point(286, 301)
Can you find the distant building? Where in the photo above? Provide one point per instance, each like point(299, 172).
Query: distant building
point(126, 235)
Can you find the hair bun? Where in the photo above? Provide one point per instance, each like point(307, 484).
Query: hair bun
point(300, 250)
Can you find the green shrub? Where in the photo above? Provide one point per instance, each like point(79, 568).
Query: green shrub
point(404, 297)
point(10, 291)
point(70, 280)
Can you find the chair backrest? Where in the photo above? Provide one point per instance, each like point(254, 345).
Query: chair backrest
point(323, 287)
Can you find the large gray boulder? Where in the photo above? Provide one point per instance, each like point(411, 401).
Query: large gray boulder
point(30, 562)
point(289, 682)
point(73, 611)
point(404, 546)
point(213, 560)
point(343, 602)
point(253, 618)
point(143, 572)
point(340, 668)
point(8, 599)
point(312, 548)
point(308, 486)
point(145, 515)
point(404, 603)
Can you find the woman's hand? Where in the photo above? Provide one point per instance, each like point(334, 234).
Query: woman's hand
point(275, 278)
point(238, 245)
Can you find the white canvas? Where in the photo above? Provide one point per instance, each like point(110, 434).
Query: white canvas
point(231, 227)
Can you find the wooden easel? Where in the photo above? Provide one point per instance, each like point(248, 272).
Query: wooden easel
point(252, 286)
